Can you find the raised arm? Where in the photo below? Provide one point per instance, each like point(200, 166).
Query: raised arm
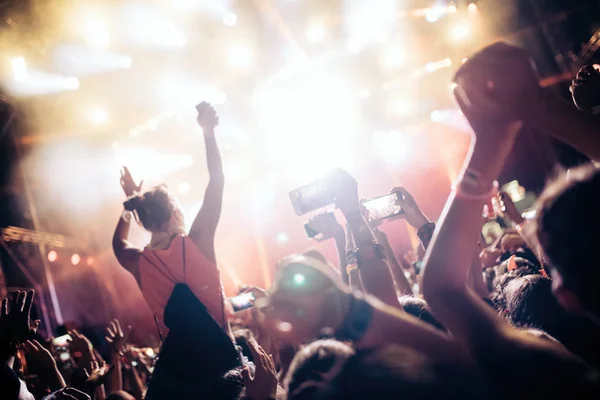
point(205, 224)
point(127, 255)
point(373, 269)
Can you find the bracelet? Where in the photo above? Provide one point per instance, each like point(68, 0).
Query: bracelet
point(357, 319)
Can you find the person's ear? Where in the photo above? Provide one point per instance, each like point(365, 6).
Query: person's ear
point(566, 297)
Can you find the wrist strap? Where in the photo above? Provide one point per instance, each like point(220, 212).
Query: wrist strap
point(357, 319)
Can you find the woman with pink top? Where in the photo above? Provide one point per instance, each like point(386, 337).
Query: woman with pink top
point(174, 257)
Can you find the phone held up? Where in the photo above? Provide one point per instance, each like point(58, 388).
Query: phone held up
point(383, 207)
point(314, 227)
point(242, 302)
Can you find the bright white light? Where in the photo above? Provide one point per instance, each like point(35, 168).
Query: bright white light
point(75, 259)
point(460, 31)
point(230, 19)
point(434, 14)
point(282, 238)
point(452, 8)
point(315, 33)
point(391, 146)
point(472, 9)
point(98, 116)
point(52, 255)
point(354, 45)
point(401, 107)
point(146, 25)
point(393, 57)
point(184, 188)
point(327, 137)
point(240, 57)
point(365, 93)
point(19, 69)
point(95, 30)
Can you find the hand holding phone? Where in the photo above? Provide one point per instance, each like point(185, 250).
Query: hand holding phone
point(243, 301)
point(382, 207)
point(323, 226)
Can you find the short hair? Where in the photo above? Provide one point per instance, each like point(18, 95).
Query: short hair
point(396, 372)
point(313, 363)
point(567, 229)
point(419, 308)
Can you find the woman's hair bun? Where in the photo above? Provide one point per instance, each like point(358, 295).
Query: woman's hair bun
point(133, 203)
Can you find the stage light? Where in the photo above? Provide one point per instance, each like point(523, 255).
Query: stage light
point(401, 107)
point(365, 93)
point(98, 116)
point(75, 259)
point(299, 279)
point(282, 238)
point(95, 31)
point(240, 57)
point(315, 33)
point(391, 146)
point(89, 261)
point(393, 57)
point(184, 188)
point(434, 14)
point(19, 69)
point(472, 9)
point(52, 256)
point(452, 9)
point(460, 31)
point(230, 19)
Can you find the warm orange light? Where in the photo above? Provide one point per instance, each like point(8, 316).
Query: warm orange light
point(52, 256)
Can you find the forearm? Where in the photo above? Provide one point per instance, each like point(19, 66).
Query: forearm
point(388, 325)
point(114, 381)
point(137, 387)
point(340, 245)
point(563, 121)
point(213, 157)
point(375, 274)
point(54, 379)
point(121, 234)
point(403, 286)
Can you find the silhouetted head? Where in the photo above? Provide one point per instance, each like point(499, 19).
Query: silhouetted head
point(157, 209)
point(567, 229)
point(313, 366)
point(419, 308)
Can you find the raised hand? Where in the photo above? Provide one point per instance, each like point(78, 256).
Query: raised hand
point(500, 79)
point(15, 322)
point(39, 354)
point(81, 348)
point(412, 213)
point(507, 209)
point(263, 386)
point(307, 296)
point(345, 190)
point(326, 225)
point(586, 88)
point(115, 336)
point(207, 117)
point(128, 184)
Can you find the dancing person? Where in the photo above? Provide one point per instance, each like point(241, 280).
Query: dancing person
point(172, 256)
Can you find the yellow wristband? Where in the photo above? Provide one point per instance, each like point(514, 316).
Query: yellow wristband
point(351, 267)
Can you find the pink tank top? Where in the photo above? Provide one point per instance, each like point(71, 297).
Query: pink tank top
point(181, 262)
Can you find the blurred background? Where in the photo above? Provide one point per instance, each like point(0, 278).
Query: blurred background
point(301, 86)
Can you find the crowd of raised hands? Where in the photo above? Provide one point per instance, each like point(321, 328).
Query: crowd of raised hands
point(458, 318)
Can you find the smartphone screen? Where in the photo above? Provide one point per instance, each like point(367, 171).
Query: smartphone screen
point(311, 197)
point(383, 207)
point(242, 302)
point(315, 227)
point(61, 341)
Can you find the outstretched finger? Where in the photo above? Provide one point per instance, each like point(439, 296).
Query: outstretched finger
point(246, 378)
point(4, 309)
point(21, 301)
point(29, 301)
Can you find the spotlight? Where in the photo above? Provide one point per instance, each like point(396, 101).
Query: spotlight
point(315, 33)
point(89, 261)
point(401, 107)
point(393, 58)
point(240, 57)
point(230, 19)
point(184, 188)
point(96, 33)
point(52, 256)
point(460, 31)
point(282, 238)
point(98, 116)
point(19, 69)
point(472, 9)
point(75, 259)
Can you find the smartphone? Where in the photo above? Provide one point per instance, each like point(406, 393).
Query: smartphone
point(61, 341)
point(383, 207)
point(242, 302)
point(311, 197)
point(312, 227)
